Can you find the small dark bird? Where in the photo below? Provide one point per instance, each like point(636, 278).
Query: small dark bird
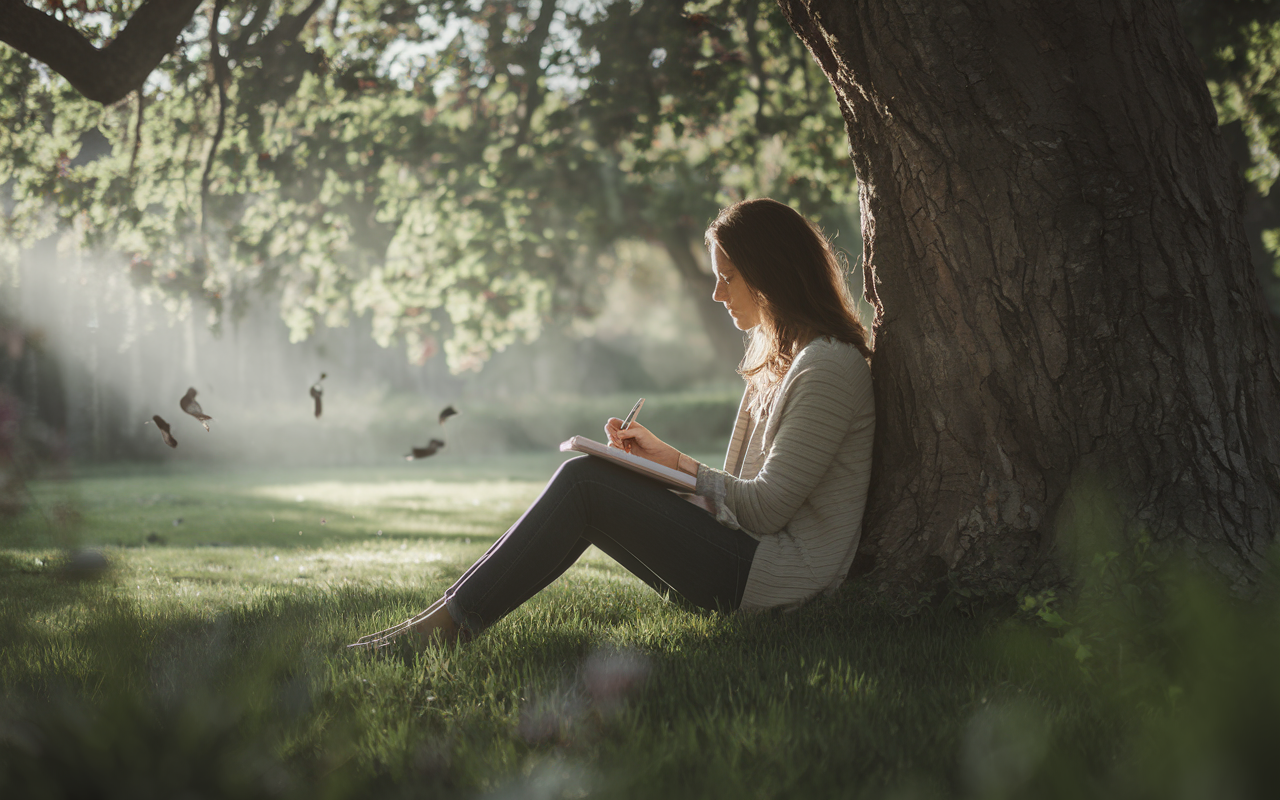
point(449, 411)
point(164, 430)
point(188, 404)
point(317, 392)
point(422, 452)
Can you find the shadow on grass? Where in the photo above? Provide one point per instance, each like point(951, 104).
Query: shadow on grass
point(264, 701)
point(27, 587)
point(133, 704)
point(600, 688)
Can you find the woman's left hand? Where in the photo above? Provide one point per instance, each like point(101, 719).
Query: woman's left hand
point(643, 443)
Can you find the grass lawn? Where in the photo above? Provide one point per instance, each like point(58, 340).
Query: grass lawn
point(210, 659)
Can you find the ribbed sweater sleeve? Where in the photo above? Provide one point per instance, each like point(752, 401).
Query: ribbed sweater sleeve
point(818, 408)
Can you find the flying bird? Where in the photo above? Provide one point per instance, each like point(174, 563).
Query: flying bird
point(164, 430)
point(422, 452)
point(449, 411)
point(317, 392)
point(188, 404)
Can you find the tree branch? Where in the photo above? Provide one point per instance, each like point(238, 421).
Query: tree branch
point(254, 26)
point(220, 76)
point(531, 59)
point(107, 75)
point(137, 134)
point(286, 30)
point(756, 63)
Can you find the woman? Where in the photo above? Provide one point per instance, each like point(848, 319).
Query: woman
point(780, 523)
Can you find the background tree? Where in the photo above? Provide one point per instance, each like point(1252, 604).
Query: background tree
point(1053, 236)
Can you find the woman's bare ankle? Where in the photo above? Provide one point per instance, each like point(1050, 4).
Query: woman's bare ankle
point(438, 626)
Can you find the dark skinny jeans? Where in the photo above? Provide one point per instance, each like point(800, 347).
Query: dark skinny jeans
point(664, 540)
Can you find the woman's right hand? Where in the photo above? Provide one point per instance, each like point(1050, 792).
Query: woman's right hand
point(643, 443)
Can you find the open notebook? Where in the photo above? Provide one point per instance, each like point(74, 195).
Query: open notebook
point(672, 479)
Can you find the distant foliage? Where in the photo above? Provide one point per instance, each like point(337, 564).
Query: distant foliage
point(1238, 42)
point(452, 169)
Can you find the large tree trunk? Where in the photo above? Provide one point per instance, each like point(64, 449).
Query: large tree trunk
point(1064, 293)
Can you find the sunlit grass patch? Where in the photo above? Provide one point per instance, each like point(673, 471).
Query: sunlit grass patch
point(283, 509)
point(473, 508)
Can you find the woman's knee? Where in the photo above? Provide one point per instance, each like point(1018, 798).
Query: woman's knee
point(576, 469)
point(589, 477)
point(585, 476)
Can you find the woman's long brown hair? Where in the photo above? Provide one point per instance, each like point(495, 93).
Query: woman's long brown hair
point(798, 283)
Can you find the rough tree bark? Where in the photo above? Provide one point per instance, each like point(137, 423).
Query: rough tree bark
point(105, 75)
point(1062, 282)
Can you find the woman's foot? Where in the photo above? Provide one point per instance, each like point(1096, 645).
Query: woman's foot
point(435, 624)
point(436, 627)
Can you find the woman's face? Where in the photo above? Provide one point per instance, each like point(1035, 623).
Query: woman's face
point(732, 290)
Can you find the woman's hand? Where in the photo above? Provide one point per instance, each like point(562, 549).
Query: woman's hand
point(643, 443)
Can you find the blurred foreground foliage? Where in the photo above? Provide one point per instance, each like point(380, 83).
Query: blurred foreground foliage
point(1144, 680)
point(453, 169)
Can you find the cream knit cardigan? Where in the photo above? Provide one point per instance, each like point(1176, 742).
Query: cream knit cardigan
point(801, 487)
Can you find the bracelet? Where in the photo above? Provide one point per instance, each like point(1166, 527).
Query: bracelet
point(686, 465)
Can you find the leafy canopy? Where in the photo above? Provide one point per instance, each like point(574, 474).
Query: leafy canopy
point(451, 168)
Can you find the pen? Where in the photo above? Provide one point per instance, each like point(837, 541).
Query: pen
point(630, 419)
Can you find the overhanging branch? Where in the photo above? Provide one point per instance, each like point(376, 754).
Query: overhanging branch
point(103, 75)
